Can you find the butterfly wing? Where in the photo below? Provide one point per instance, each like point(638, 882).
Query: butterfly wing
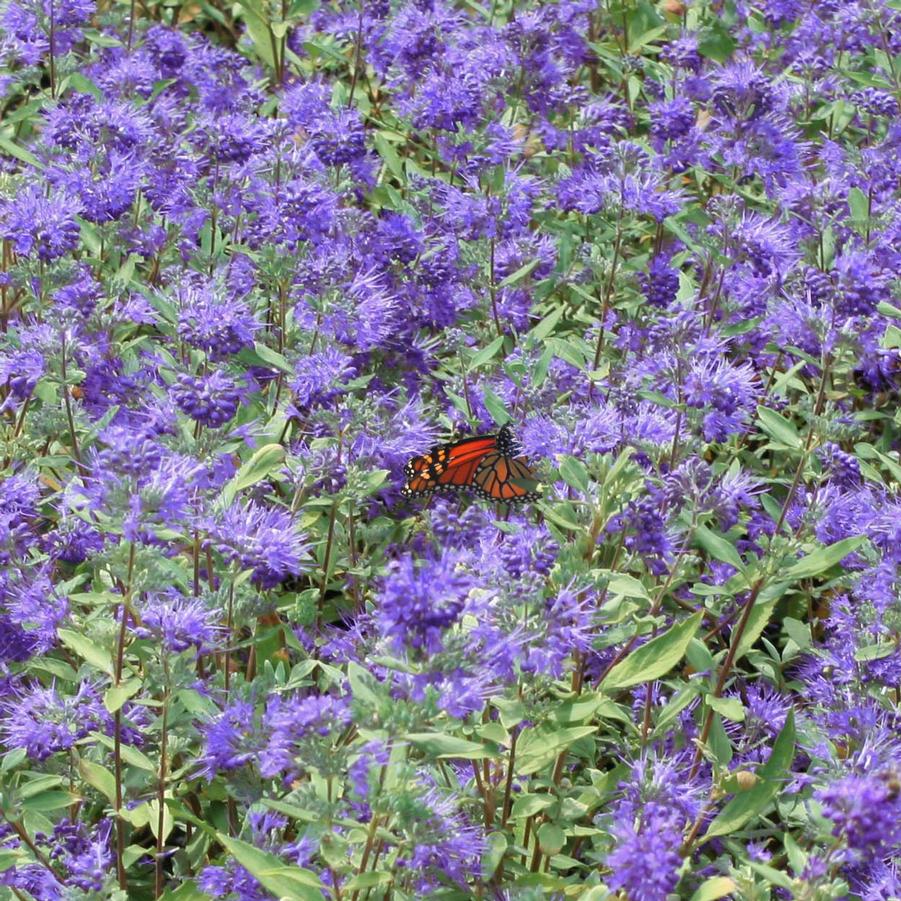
point(431, 462)
point(459, 476)
point(447, 466)
point(509, 480)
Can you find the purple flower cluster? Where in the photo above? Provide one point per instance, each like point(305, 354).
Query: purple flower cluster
point(255, 259)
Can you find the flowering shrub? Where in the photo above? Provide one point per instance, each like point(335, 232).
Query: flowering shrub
point(256, 256)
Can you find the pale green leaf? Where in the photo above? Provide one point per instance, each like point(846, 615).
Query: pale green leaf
point(773, 776)
point(655, 658)
point(284, 880)
point(824, 558)
point(98, 777)
point(441, 745)
point(264, 461)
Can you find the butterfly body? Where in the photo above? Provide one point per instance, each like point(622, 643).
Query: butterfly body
point(486, 465)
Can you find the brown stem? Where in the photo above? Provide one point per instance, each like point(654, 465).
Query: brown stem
point(352, 540)
point(696, 827)
point(483, 791)
point(508, 782)
point(358, 53)
point(283, 44)
point(646, 718)
point(492, 288)
point(370, 835)
point(608, 290)
point(39, 855)
point(367, 849)
point(52, 50)
point(735, 639)
point(525, 837)
point(159, 880)
point(326, 559)
point(282, 317)
point(68, 404)
point(229, 626)
point(131, 26)
point(536, 855)
point(196, 555)
point(117, 723)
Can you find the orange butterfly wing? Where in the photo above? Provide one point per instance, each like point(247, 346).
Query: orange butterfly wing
point(501, 477)
point(447, 466)
point(484, 464)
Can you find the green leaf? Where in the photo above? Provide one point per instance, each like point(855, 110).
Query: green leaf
point(574, 473)
point(719, 744)
point(654, 659)
point(187, 891)
point(715, 42)
point(130, 755)
point(678, 702)
point(441, 745)
point(368, 880)
point(294, 811)
point(39, 784)
point(511, 713)
point(718, 547)
point(49, 800)
point(263, 355)
point(797, 856)
point(12, 858)
point(265, 460)
point(627, 586)
point(539, 746)
point(772, 875)
point(730, 708)
point(520, 273)
point(20, 153)
point(773, 774)
point(529, 805)
point(100, 39)
point(699, 657)
point(12, 759)
point(868, 452)
point(797, 631)
point(551, 838)
point(824, 558)
point(713, 888)
point(494, 405)
point(363, 685)
point(567, 350)
point(580, 708)
point(486, 353)
point(117, 695)
point(259, 31)
point(98, 657)
point(546, 326)
point(760, 616)
point(80, 83)
point(859, 205)
point(168, 819)
point(891, 337)
point(778, 427)
point(98, 777)
point(138, 816)
point(387, 152)
point(875, 651)
point(496, 848)
point(887, 309)
point(282, 879)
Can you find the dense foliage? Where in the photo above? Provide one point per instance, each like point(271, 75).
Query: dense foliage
point(257, 255)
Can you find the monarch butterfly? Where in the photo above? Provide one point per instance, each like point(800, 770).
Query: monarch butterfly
point(487, 465)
